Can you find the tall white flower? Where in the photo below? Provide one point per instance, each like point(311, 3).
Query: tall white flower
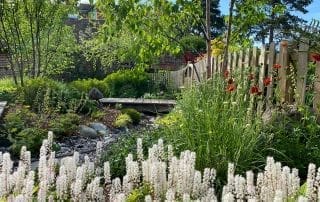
point(140, 150)
point(228, 197)
point(5, 172)
point(148, 198)
point(196, 190)
point(251, 192)
point(28, 186)
point(50, 140)
point(99, 149)
point(278, 196)
point(42, 193)
point(170, 196)
point(94, 191)
point(310, 191)
point(240, 188)
point(62, 183)
point(106, 171)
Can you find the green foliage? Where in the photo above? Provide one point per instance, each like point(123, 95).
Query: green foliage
point(169, 119)
point(194, 44)
point(294, 138)
point(8, 90)
point(126, 144)
point(216, 125)
point(34, 91)
point(137, 32)
point(122, 120)
point(311, 77)
point(29, 137)
point(140, 193)
point(134, 114)
point(64, 125)
point(98, 115)
point(262, 19)
point(127, 83)
point(85, 85)
point(35, 35)
point(17, 120)
point(47, 96)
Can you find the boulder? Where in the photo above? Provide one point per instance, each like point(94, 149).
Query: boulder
point(95, 94)
point(100, 128)
point(86, 131)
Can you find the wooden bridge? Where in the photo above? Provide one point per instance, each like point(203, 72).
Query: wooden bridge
point(142, 105)
point(2, 106)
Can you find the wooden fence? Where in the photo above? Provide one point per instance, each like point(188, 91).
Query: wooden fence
point(290, 80)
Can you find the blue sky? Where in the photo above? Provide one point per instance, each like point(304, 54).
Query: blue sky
point(314, 10)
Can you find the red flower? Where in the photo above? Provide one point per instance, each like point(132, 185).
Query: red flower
point(316, 57)
point(226, 74)
point(277, 66)
point(267, 81)
point(251, 77)
point(254, 90)
point(231, 87)
point(230, 81)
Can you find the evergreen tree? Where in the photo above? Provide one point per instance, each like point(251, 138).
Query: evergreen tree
point(275, 19)
point(217, 21)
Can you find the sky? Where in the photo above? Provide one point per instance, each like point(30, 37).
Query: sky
point(314, 10)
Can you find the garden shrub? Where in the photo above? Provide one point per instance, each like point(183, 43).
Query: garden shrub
point(127, 83)
point(85, 85)
point(169, 119)
point(98, 115)
point(65, 124)
point(19, 118)
point(194, 44)
point(122, 121)
point(127, 143)
point(294, 139)
point(134, 114)
point(30, 137)
point(46, 96)
point(34, 91)
point(8, 90)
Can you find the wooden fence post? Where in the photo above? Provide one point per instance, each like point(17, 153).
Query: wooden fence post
point(283, 83)
point(316, 99)
point(235, 60)
point(247, 58)
point(229, 62)
point(302, 68)
point(254, 59)
point(262, 65)
point(270, 61)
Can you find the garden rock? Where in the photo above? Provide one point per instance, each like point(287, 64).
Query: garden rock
point(95, 94)
point(100, 128)
point(88, 132)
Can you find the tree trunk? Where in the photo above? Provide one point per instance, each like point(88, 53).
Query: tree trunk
point(209, 73)
point(271, 30)
point(226, 49)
